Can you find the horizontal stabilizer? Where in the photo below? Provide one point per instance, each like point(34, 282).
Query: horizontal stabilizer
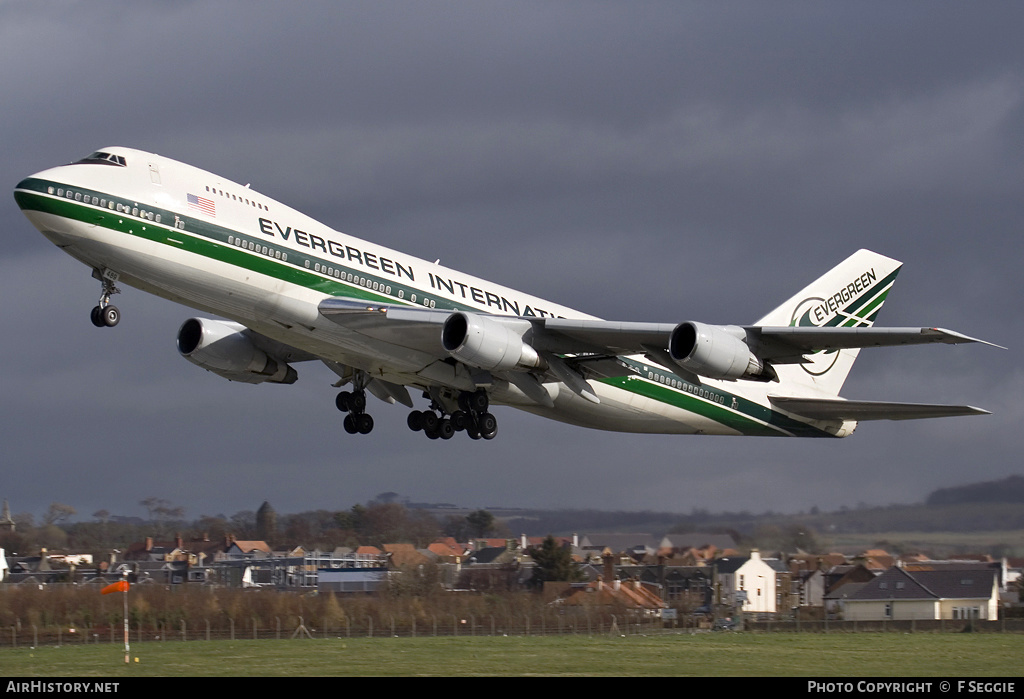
point(839, 409)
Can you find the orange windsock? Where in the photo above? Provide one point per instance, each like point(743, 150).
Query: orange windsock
point(119, 586)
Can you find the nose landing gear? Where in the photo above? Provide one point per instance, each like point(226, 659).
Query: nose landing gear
point(106, 315)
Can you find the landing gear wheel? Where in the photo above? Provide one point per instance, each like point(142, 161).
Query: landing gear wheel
point(415, 421)
point(110, 316)
point(357, 403)
point(478, 402)
point(354, 403)
point(459, 420)
point(488, 426)
point(342, 401)
point(445, 429)
point(105, 316)
point(430, 421)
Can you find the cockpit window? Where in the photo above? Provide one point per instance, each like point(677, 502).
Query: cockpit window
point(101, 158)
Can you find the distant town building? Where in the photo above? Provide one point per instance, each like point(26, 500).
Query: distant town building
point(949, 593)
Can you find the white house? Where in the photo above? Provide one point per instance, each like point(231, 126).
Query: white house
point(738, 577)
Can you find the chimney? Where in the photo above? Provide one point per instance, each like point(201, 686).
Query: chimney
point(609, 566)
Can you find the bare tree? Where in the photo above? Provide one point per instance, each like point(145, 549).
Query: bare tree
point(57, 512)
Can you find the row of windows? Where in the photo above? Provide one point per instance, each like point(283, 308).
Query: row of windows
point(233, 197)
point(335, 272)
point(260, 249)
point(683, 386)
point(356, 279)
point(105, 204)
point(967, 613)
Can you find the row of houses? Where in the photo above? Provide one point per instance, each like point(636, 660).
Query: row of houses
point(692, 573)
point(908, 589)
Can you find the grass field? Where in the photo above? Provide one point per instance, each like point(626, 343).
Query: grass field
point(719, 654)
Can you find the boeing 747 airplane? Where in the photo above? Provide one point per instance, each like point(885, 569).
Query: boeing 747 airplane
point(288, 289)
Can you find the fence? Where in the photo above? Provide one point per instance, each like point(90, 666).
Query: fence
point(453, 625)
point(278, 628)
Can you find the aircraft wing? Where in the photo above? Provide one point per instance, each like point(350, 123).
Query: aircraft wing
point(839, 409)
point(415, 327)
point(572, 350)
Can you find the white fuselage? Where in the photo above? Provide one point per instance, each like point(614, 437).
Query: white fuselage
point(215, 245)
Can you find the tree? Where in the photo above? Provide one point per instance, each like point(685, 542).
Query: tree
point(57, 512)
point(480, 523)
point(553, 562)
point(243, 524)
point(151, 503)
point(393, 523)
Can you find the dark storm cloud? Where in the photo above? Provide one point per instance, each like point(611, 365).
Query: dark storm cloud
point(656, 161)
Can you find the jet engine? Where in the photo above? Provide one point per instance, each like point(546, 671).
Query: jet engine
point(489, 343)
point(716, 352)
point(227, 350)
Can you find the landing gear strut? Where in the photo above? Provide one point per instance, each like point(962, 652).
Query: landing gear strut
point(106, 315)
point(471, 417)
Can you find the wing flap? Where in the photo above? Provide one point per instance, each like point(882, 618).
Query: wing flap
point(404, 326)
point(611, 338)
point(839, 409)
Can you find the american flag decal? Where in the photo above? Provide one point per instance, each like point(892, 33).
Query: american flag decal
point(202, 205)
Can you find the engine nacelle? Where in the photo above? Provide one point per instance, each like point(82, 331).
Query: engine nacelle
point(716, 352)
point(487, 343)
point(226, 350)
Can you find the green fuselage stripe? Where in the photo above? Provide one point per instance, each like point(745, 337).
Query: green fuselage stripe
point(729, 409)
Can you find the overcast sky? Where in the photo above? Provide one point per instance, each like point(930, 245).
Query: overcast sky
point(636, 161)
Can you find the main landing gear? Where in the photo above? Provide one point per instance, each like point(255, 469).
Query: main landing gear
point(106, 315)
point(471, 417)
point(354, 403)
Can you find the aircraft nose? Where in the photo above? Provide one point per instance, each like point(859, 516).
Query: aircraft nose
point(22, 192)
point(42, 182)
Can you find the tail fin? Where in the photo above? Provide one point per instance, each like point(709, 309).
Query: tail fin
point(849, 296)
